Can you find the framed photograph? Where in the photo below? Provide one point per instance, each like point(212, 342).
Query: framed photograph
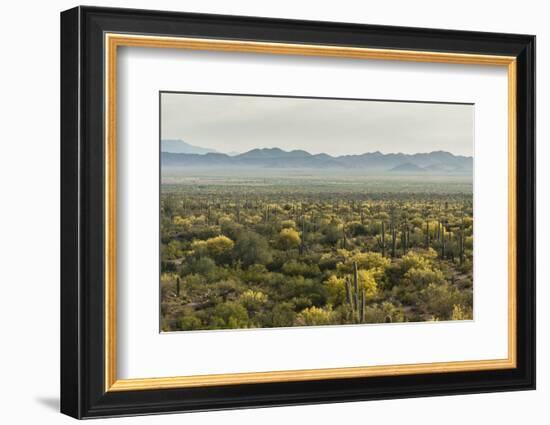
point(261, 212)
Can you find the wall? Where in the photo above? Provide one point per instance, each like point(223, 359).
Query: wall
point(29, 225)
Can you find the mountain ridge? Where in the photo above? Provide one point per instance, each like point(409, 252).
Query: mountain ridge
point(179, 146)
point(436, 162)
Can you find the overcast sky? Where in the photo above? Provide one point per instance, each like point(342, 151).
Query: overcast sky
point(336, 127)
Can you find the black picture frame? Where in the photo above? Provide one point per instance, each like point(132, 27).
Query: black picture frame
point(83, 392)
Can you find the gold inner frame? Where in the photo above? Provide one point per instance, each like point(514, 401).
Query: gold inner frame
point(113, 41)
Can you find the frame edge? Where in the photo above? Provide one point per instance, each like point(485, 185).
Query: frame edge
point(70, 349)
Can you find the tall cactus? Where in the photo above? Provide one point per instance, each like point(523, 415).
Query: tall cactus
point(382, 240)
point(461, 241)
point(442, 241)
point(178, 286)
point(427, 234)
point(461, 247)
point(303, 238)
point(208, 214)
point(356, 297)
point(344, 237)
point(363, 307)
point(405, 238)
point(349, 295)
point(393, 241)
point(356, 287)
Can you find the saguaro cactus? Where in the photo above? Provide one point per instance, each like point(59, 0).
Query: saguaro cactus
point(461, 241)
point(405, 238)
point(461, 246)
point(356, 286)
point(427, 234)
point(303, 238)
point(393, 241)
point(442, 241)
point(344, 237)
point(382, 240)
point(178, 286)
point(209, 215)
point(363, 306)
point(349, 295)
point(356, 297)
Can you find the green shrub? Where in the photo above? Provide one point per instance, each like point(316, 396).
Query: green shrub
point(296, 268)
point(385, 312)
point(251, 248)
point(439, 300)
point(229, 315)
point(283, 315)
point(190, 323)
point(289, 239)
point(314, 316)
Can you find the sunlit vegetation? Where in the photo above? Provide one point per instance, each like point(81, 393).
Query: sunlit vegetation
point(259, 254)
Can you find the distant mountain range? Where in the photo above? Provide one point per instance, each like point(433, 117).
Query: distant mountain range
point(179, 146)
point(434, 163)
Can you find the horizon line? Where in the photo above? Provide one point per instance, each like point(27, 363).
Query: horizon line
point(303, 150)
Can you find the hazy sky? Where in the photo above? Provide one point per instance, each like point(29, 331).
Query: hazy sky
point(335, 127)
